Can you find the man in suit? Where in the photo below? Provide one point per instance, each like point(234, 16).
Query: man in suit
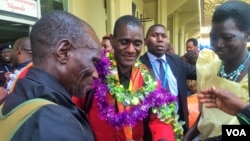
point(176, 72)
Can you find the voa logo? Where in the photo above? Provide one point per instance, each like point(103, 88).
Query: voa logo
point(236, 132)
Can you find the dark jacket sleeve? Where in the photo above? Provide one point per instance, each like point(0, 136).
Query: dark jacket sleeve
point(244, 116)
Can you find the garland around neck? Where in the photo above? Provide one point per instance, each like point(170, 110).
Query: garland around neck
point(233, 76)
point(161, 101)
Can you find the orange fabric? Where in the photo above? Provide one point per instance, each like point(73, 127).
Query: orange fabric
point(25, 70)
point(136, 82)
point(193, 109)
point(21, 75)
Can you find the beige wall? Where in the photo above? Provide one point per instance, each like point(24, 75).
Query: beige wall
point(170, 13)
point(139, 8)
point(117, 8)
point(94, 12)
point(102, 20)
point(91, 11)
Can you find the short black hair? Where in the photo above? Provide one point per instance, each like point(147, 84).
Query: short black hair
point(195, 42)
point(53, 27)
point(153, 26)
point(108, 37)
point(125, 20)
point(239, 11)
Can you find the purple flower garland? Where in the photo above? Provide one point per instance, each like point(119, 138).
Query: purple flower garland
point(136, 113)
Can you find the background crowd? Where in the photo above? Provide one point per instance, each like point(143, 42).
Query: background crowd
point(63, 83)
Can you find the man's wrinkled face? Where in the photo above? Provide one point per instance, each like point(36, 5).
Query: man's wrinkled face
point(127, 45)
point(82, 69)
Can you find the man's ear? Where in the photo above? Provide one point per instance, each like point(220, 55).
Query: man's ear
point(18, 50)
point(62, 52)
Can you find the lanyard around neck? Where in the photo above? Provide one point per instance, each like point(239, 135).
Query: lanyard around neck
point(6, 68)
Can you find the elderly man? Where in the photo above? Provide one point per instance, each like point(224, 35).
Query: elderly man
point(64, 50)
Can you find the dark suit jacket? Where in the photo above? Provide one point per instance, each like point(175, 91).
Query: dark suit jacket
point(182, 71)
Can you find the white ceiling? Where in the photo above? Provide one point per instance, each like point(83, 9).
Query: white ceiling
point(207, 9)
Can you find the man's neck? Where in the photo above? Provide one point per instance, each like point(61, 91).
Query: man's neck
point(123, 70)
point(124, 76)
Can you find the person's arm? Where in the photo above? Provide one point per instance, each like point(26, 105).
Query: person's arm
point(221, 99)
point(190, 71)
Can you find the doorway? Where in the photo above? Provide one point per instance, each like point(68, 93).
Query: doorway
point(11, 31)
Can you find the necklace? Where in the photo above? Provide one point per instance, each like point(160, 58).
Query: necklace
point(161, 101)
point(233, 76)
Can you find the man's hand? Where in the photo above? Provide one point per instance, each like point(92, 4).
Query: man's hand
point(221, 99)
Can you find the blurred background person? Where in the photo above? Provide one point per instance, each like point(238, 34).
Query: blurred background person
point(191, 58)
point(192, 45)
point(21, 56)
point(170, 49)
point(106, 45)
point(6, 66)
point(193, 112)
